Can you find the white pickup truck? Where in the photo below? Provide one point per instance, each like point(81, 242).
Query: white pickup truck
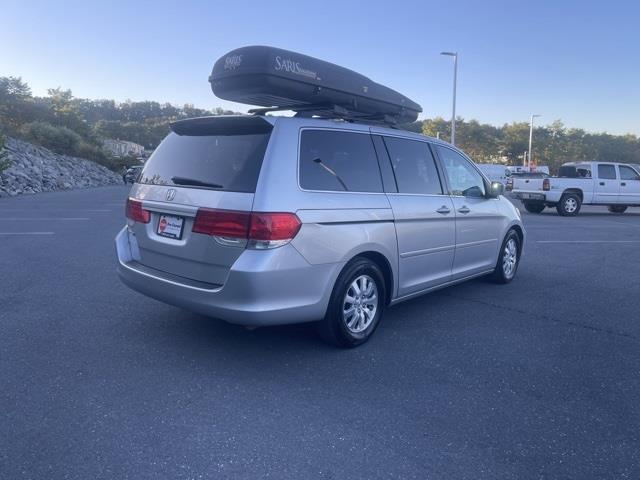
point(615, 185)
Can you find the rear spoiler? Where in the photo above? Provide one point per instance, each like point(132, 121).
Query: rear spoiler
point(222, 125)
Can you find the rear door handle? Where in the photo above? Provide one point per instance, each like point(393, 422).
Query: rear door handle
point(623, 184)
point(444, 210)
point(464, 209)
point(601, 183)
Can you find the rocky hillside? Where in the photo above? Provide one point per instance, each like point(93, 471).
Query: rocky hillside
point(35, 169)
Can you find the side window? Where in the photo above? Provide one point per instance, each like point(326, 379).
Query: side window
point(413, 166)
point(607, 172)
point(628, 173)
point(463, 178)
point(338, 161)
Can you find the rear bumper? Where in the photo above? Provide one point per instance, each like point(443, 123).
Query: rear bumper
point(529, 196)
point(264, 287)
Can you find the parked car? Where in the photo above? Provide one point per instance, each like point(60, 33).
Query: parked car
point(273, 220)
point(132, 173)
point(263, 220)
point(614, 185)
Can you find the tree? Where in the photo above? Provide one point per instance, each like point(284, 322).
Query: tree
point(437, 127)
point(66, 111)
point(16, 103)
point(480, 141)
point(79, 126)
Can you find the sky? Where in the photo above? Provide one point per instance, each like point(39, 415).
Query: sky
point(578, 61)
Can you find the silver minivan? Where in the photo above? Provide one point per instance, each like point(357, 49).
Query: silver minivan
point(265, 220)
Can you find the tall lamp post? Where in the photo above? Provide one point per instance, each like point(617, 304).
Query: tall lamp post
point(455, 75)
point(531, 138)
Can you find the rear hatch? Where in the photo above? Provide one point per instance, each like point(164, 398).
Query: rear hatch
point(204, 165)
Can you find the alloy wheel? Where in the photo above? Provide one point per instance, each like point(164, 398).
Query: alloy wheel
point(360, 304)
point(510, 258)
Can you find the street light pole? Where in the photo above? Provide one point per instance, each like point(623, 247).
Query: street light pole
point(455, 81)
point(531, 138)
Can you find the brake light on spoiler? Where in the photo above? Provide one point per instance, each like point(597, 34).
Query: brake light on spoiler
point(262, 230)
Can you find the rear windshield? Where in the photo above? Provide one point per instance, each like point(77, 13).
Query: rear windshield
point(220, 162)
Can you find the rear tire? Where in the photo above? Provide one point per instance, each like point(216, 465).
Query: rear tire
point(356, 305)
point(508, 259)
point(569, 205)
point(534, 207)
point(617, 208)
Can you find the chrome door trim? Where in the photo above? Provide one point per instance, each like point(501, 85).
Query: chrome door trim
point(427, 251)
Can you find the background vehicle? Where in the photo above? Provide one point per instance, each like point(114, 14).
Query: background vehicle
point(132, 173)
point(615, 185)
point(533, 169)
point(495, 172)
point(527, 176)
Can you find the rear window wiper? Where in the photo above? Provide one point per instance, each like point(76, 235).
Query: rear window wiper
point(332, 172)
point(194, 182)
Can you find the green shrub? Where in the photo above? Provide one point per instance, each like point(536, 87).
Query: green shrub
point(5, 161)
point(58, 139)
point(90, 152)
point(64, 141)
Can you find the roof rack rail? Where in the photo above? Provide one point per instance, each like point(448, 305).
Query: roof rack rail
point(323, 110)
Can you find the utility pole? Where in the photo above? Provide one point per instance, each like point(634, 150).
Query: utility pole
point(455, 81)
point(533, 115)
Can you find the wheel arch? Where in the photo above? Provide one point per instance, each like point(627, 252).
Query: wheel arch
point(520, 232)
point(576, 191)
point(385, 266)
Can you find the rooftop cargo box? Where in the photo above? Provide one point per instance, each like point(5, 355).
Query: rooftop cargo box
point(280, 79)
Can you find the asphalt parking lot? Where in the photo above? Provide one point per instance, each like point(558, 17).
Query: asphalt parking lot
point(536, 379)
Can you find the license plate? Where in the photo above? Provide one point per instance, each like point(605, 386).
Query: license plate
point(531, 196)
point(170, 226)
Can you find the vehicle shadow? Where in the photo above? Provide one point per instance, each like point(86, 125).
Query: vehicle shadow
point(604, 213)
point(201, 335)
point(200, 332)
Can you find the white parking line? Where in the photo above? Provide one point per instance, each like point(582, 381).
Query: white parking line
point(27, 233)
point(588, 241)
point(20, 219)
point(37, 210)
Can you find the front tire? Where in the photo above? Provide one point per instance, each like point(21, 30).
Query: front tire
point(569, 205)
point(617, 208)
point(508, 259)
point(356, 305)
point(534, 207)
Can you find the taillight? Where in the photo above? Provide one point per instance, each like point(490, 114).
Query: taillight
point(261, 230)
point(135, 212)
point(270, 230)
point(546, 185)
point(222, 223)
point(509, 186)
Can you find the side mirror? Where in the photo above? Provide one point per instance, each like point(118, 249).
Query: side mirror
point(495, 190)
